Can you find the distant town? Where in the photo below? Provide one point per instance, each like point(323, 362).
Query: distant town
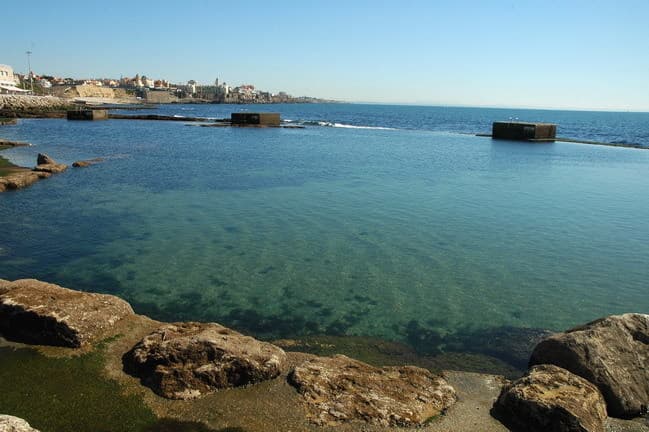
point(142, 88)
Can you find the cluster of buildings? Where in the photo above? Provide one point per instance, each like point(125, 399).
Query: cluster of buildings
point(155, 90)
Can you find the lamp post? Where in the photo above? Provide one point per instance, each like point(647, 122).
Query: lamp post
point(29, 65)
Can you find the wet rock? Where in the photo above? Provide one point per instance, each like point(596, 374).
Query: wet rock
point(187, 360)
point(86, 163)
point(551, 399)
point(21, 179)
point(51, 168)
point(44, 163)
point(7, 143)
point(14, 424)
point(612, 353)
point(43, 159)
point(340, 389)
point(41, 313)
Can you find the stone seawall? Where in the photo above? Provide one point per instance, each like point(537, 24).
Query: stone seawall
point(20, 103)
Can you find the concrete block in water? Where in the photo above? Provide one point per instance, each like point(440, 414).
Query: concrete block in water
point(255, 119)
point(87, 114)
point(524, 131)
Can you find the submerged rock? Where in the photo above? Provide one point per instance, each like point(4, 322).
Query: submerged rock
point(551, 399)
point(86, 163)
point(340, 389)
point(41, 313)
point(187, 360)
point(612, 353)
point(14, 424)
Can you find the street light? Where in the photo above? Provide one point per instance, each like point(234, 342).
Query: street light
point(29, 65)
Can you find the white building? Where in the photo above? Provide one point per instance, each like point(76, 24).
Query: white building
point(8, 81)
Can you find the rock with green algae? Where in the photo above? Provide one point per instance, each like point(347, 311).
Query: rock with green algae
point(14, 424)
point(339, 389)
point(41, 313)
point(188, 360)
point(551, 399)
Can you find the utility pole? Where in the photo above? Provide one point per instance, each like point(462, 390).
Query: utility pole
point(29, 65)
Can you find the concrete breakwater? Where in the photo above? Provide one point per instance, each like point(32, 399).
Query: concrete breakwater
point(180, 370)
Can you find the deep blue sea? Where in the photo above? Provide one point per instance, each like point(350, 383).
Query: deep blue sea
point(385, 221)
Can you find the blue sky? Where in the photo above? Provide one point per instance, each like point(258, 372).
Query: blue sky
point(548, 54)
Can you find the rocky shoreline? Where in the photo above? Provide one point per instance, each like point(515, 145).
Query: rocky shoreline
point(14, 177)
point(19, 177)
point(207, 373)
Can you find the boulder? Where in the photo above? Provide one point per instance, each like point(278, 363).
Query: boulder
point(612, 353)
point(551, 399)
point(43, 159)
point(41, 313)
point(14, 424)
point(44, 163)
point(187, 360)
point(340, 389)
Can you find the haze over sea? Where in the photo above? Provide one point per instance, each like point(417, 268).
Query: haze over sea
point(396, 224)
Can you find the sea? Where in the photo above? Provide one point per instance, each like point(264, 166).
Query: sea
point(388, 222)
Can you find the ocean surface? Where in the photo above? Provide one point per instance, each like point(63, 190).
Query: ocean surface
point(385, 221)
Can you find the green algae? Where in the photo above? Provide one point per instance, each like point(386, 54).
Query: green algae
point(6, 167)
point(64, 394)
point(70, 394)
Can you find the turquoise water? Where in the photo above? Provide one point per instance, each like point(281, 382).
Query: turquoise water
point(417, 235)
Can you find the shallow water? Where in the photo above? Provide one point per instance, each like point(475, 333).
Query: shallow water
point(429, 237)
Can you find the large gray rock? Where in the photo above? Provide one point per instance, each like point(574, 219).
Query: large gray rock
point(340, 389)
point(187, 360)
point(612, 353)
point(14, 424)
point(41, 313)
point(551, 399)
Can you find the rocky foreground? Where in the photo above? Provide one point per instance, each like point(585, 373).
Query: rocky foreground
point(209, 373)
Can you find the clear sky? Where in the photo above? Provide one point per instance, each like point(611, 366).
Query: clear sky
point(552, 54)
